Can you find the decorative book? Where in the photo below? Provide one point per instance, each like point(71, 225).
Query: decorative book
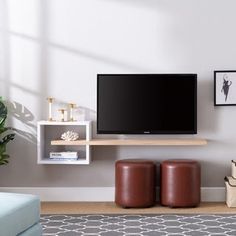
point(64, 155)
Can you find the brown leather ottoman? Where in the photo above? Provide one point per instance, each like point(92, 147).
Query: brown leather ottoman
point(180, 183)
point(135, 183)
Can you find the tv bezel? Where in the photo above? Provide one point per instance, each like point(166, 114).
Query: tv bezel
point(152, 132)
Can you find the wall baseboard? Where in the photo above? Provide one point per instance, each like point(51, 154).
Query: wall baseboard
point(98, 194)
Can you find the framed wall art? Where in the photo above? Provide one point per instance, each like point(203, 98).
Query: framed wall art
point(225, 88)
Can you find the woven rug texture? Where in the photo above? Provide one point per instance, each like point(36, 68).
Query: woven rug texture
point(139, 225)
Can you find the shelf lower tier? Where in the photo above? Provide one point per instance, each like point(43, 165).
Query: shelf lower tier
point(134, 142)
point(77, 162)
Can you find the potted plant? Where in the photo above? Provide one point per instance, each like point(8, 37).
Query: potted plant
point(5, 136)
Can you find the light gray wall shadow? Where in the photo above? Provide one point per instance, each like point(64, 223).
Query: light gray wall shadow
point(26, 117)
point(6, 49)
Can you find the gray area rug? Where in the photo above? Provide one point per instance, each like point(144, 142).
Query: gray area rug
point(139, 225)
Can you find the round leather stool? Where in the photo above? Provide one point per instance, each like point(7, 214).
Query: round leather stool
point(180, 183)
point(135, 183)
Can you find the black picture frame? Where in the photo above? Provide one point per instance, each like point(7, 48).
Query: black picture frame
point(224, 84)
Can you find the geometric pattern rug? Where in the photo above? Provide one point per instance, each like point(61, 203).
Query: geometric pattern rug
point(139, 225)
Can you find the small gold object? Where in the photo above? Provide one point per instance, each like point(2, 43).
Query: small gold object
point(72, 106)
point(62, 110)
point(50, 100)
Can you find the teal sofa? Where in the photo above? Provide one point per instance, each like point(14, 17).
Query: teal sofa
point(19, 215)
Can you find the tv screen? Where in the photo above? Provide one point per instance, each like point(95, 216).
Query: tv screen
point(146, 103)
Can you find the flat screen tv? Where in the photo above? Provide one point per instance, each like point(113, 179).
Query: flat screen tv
point(146, 103)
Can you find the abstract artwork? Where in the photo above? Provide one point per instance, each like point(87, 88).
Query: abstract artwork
point(225, 88)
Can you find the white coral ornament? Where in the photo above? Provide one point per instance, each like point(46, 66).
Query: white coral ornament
point(70, 136)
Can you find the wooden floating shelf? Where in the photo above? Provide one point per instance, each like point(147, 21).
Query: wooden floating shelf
point(134, 142)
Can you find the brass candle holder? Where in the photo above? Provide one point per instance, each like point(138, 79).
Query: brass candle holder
point(72, 106)
point(62, 110)
point(50, 101)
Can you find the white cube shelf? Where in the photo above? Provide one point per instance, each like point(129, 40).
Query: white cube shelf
point(52, 130)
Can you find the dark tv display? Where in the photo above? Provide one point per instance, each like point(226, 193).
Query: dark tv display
point(146, 103)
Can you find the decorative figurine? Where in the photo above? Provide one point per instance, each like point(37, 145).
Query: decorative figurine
point(50, 100)
point(72, 106)
point(62, 110)
point(70, 136)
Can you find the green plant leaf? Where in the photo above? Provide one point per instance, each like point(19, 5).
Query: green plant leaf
point(2, 148)
point(7, 138)
point(3, 129)
point(3, 114)
point(4, 159)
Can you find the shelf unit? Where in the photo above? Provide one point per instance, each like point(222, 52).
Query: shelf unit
point(49, 133)
point(133, 142)
point(49, 130)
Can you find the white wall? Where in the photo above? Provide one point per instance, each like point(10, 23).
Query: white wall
point(56, 48)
